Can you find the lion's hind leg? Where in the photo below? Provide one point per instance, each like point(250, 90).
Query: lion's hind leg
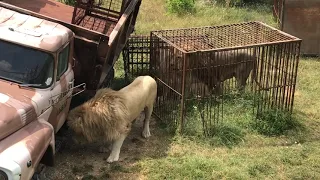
point(146, 130)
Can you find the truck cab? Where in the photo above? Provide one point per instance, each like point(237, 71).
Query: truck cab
point(36, 82)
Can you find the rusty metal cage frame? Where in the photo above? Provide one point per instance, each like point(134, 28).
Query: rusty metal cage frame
point(100, 16)
point(275, 64)
point(136, 56)
point(136, 61)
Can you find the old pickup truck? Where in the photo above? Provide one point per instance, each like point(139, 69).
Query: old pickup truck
point(50, 52)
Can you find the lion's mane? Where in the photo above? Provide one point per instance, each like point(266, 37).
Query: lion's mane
point(104, 116)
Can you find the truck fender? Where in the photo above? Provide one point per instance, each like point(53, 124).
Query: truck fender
point(26, 148)
point(48, 156)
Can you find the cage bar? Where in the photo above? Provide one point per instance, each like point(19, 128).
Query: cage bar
point(203, 71)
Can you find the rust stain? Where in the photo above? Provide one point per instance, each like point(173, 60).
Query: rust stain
point(19, 99)
point(49, 8)
point(302, 18)
point(36, 136)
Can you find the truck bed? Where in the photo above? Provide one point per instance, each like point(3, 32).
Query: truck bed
point(63, 13)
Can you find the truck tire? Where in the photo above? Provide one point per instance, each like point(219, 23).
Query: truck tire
point(36, 176)
point(109, 79)
point(62, 138)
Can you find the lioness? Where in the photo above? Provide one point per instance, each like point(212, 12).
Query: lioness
point(213, 69)
point(226, 65)
point(168, 67)
point(108, 116)
point(206, 68)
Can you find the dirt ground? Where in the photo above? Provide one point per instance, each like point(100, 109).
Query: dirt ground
point(85, 162)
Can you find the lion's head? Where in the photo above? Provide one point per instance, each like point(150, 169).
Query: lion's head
point(102, 118)
point(75, 121)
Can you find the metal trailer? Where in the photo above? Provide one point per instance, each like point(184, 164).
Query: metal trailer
point(300, 18)
point(101, 30)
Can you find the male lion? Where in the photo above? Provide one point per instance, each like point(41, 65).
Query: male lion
point(108, 116)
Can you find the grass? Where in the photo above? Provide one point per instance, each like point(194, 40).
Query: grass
point(237, 150)
point(153, 16)
point(192, 160)
point(81, 168)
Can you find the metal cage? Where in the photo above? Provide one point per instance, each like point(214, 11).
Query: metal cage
point(198, 70)
point(101, 16)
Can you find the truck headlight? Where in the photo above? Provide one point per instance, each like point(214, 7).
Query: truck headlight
point(9, 170)
point(3, 175)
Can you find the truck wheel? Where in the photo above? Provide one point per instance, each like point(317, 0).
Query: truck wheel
point(109, 79)
point(62, 137)
point(39, 172)
point(35, 176)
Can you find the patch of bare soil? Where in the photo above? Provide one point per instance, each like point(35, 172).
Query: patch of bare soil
point(85, 162)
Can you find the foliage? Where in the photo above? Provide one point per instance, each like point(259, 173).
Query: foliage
point(274, 122)
point(227, 135)
point(180, 6)
point(68, 2)
point(204, 15)
point(241, 3)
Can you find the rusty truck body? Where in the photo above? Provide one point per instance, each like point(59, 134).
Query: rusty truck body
point(44, 59)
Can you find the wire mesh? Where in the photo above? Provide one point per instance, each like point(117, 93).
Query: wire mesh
point(136, 57)
point(201, 71)
point(224, 36)
point(97, 24)
point(114, 5)
point(100, 16)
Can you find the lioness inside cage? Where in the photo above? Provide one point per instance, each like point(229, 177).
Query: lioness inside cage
point(205, 72)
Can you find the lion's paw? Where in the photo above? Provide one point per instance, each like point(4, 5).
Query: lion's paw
point(112, 159)
point(146, 133)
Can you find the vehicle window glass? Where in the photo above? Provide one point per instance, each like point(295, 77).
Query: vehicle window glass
point(63, 61)
point(25, 65)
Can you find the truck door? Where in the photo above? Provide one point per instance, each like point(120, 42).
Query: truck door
point(62, 91)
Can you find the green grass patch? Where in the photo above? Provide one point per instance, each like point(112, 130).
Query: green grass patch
point(180, 7)
point(227, 135)
point(229, 120)
point(205, 14)
point(288, 149)
point(243, 148)
point(118, 168)
point(68, 2)
point(193, 160)
point(274, 123)
point(273, 147)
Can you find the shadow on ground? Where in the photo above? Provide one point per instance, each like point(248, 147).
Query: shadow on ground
point(85, 162)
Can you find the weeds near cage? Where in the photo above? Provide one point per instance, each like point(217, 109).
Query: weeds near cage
point(239, 119)
point(274, 122)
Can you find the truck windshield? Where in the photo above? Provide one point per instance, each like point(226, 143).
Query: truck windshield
point(26, 66)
